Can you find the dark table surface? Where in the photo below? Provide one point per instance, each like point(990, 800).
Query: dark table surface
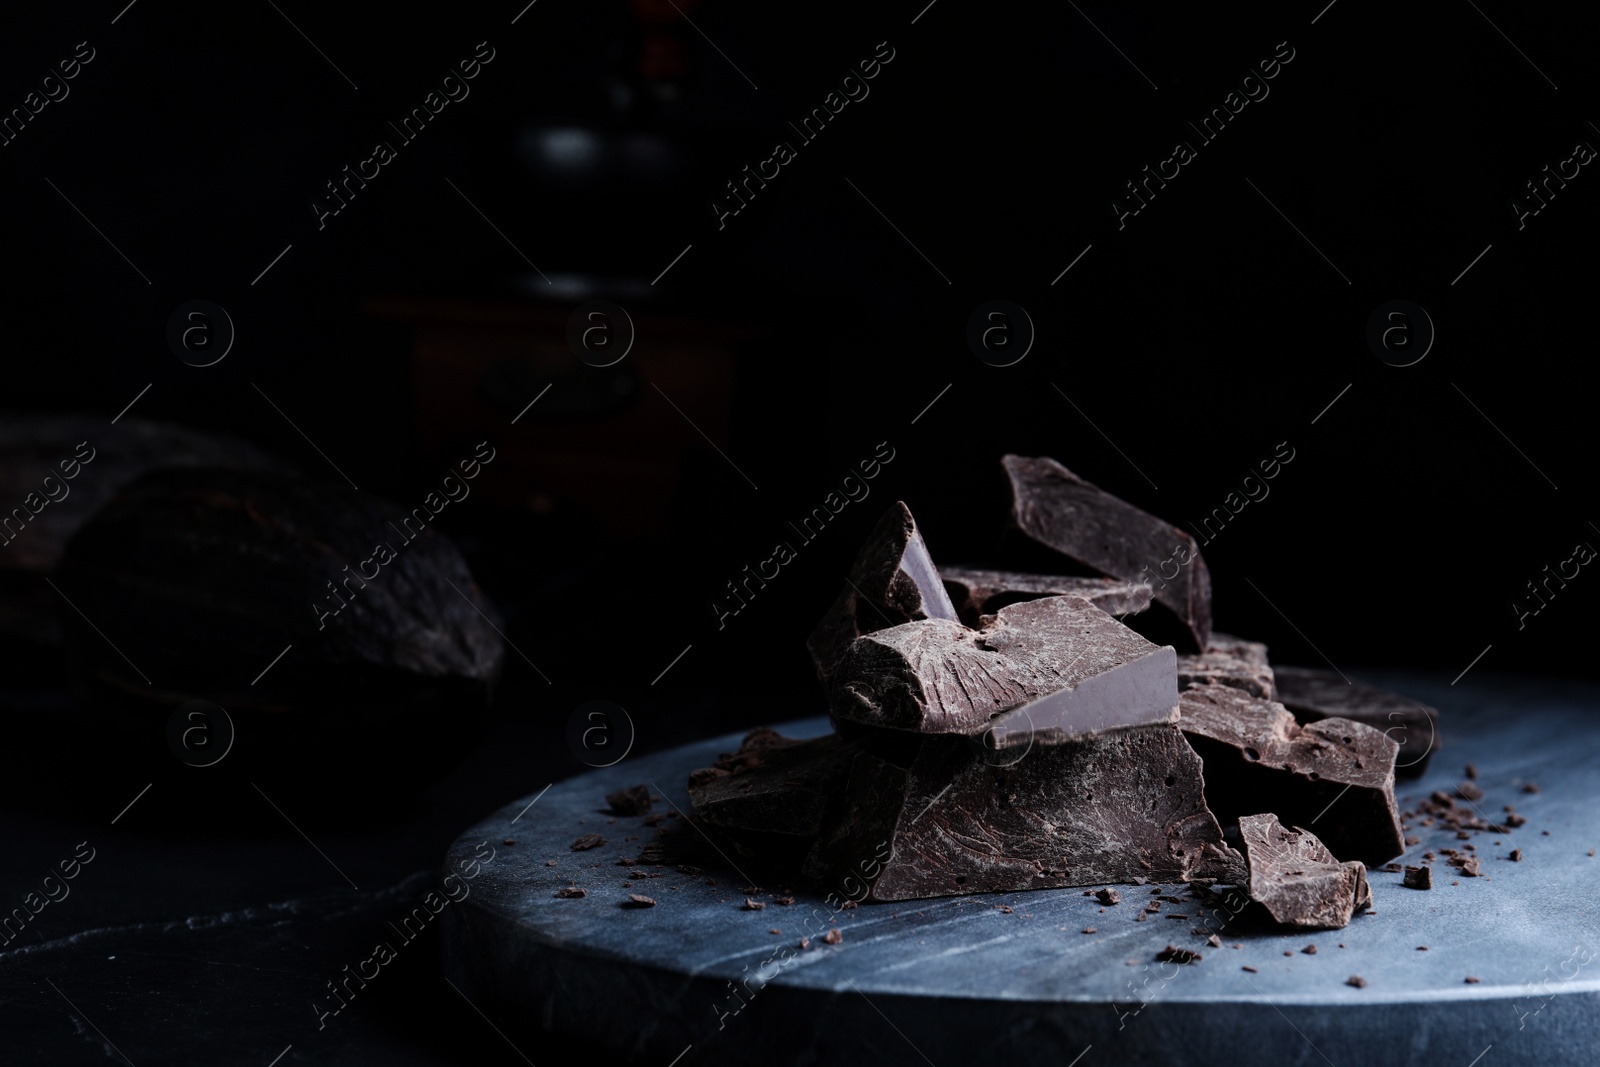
point(207, 928)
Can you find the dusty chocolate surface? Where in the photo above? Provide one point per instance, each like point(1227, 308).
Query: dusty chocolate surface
point(937, 676)
point(1229, 661)
point(1296, 878)
point(1112, 808)
point(1053, 507)
point(1335, 775)
point(893, 580)
point(1314, 694)
point(976, 592)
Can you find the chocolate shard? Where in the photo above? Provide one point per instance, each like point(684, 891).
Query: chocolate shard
point(1420, 877)
point(1313, 694)
point(1296, 878)
point(1256, 756)
point(1229, 661)
point(893, 580)
point(634, 800)
point(976, 593)
point(1042, 670)
point(1053, 507)
point(773, 784)
point(1113, 807)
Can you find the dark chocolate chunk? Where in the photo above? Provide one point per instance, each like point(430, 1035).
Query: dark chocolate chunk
point(1053, 507)
point(1107, 808)
point(1314, 694)
point(634, 800)
point(1296, 878)
point(1042, 670)
point(773, 784)
point(893, 580)
point(1174, 954)
point(1257, 757)
point(976, 593)
point(588, 841)
point(1229, 661)
point(1109, 896)
point(1515, 856)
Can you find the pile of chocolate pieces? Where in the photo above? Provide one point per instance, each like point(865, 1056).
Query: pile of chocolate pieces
point(998, 731)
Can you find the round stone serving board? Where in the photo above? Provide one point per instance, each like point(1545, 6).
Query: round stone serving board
point(956, 981)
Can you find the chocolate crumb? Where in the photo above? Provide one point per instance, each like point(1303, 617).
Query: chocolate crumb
point(805, 942)
point(1471, 771)
point(1214, 941)
point(1109, 896)
point(636, 900)
point(1468, 791)
point(1252, 970)
point(833, 937)
point(634, 800)
point(1516, 855)
point(1005, 908)
point(1422, 948)
point(1392, 868)
point(588, 841)
point(571, 893)
point(1419, 878)
point(1141, 916)
point(549, 863)
point(1530, 788)
point(1413, 841)
point(787, 902)
point(1288, 952)
point(509, 841)
point(1088, 929)
point(1174, 954)
point(1472, 979)
point(774, 930)
point(751, 905)
point(1310, 950)
point(1357, 981)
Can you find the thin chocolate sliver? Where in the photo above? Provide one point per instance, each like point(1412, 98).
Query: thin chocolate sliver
point(1053, 507)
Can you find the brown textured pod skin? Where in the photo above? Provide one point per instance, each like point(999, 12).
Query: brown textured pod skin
point(201, 577)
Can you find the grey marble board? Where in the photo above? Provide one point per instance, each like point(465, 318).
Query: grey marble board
point(698, 979)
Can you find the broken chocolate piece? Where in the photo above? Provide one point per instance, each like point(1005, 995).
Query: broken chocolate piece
point(1357, 981)
point(893, 580)
point(1515, 856)
point(1174, 954)
point(634, 800)
point(588, 841)
point(1042, 670)
point(833, 937)
point(1256, 757)
point(571, 893)
point(1296, 878)
point(636, 900)
point(1109, 896)
point(1053, 507)
point(1468, 791)
point(773, 784)
point(1229, 661)
point(976, 593)
point(751, 905)
point(1107, 808)
point(1313, 694)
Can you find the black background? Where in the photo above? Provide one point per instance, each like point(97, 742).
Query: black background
point(1196, 338)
